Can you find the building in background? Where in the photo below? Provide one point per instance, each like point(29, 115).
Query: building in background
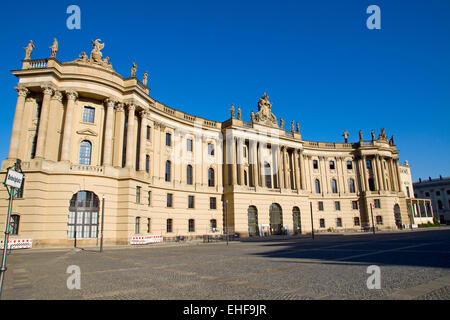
point(84, 132)
point(438, 192)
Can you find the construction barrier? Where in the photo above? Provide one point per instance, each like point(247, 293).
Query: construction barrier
point(145, 239)
point(18, 244)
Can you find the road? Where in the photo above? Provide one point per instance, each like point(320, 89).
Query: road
point(413, 265)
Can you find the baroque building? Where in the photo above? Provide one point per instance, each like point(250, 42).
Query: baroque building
point(85, 134)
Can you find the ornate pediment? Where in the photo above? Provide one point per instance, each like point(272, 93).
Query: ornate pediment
point(87, 132)
point(95, 57)
point(264, 115)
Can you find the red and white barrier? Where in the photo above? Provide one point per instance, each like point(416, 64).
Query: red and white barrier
point(18, 244)
point(145, 239)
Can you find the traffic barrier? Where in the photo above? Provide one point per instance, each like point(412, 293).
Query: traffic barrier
point(145, 239)
point(18, 244)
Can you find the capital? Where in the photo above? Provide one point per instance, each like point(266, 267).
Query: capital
point(119, 107)
point(71, 95)
point(144, 113)
point(57, 96)
point(110, 102)
point(47, 89)
point(21, 91)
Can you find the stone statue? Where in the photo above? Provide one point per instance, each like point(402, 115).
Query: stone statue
point(133, 70)
point(345, 134)
point(252, 116)
point(232, 111)
point(373, 135)
point(281, 123)
point(292, 125)
point(239, 113)
point(96, 54)
point(83, 56)
point(264, 114)
point(298, 126)
point(383, 134)
point(54, 48)
point(145, 78)
point(28, 50)
point(391, 142)
point(106, 62)
point(360, 135)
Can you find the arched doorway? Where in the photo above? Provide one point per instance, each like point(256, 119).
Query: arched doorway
point(296, 220)
point(253, 221)
point(276, 218)
point(398, 216)
point(83, 216)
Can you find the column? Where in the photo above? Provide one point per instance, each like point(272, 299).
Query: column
point(107, 147)
point(240, 161)
point(285, 169)
point(385, 187)
point(17, 124)
point(362, 168)
point(302, 170)
point(143, 140)
point(65, 151)
point(392, 178)
point(378, 173)
point(296, 168)
point(43, 121)
point(253, 157)
point(53, 137)
point(119, 127)
point(397, 170)
point(233, 164)
point(130, 135)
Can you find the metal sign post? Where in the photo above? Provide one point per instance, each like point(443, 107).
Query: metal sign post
point(373, 224)
point(13, 180)
point(103, 218)
point(312, 224)
point(226, 214)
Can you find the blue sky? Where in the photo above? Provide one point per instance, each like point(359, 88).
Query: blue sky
point(316, 60)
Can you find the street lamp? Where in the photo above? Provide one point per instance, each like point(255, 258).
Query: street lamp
point(103, 218)
point(226, 217)
point(373, 224)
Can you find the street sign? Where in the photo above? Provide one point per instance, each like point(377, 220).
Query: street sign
point(14, 179)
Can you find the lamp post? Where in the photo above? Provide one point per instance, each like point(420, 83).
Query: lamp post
point(103, 218)
point(373, 224)
point(226, 217)
point(312, 221)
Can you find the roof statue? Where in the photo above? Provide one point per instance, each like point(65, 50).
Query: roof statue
point(145, 78)
point(281, 123)
point(28, 50)
point(95, 57)
point(382, 134)
point(360, 135)
point(292, 125)
point(345, 135)
point(373, 135)
point(252, 116)
point(54, 48)
point(239, 113)
point(133, 70)
point(264, 114)
point(298, 126)
point(232, 111)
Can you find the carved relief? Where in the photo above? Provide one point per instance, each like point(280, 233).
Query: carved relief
point(264, 114)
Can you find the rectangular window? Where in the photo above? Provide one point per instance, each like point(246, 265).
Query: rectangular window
point(147, 163)
point(320, 205)
point(338, 222)
point(349, 165)
point(210, 149)
point(322, 223)
point(315, 164)
point(189, 145)
point(169, 225)
point(355, 205)
point(356, 221)
point(148, 225)
point(168, 139)
point(190, 202)
point(14, 226)
point(377, 203)
point(213, 225)
point(88, 114)
point(368, 164)
point(337, 206)
point(138, 194)
point(191, 225)
point(212, 203)
point(332, 166)
point(137, 224)
point(169, 200)
point(244, 152)
point(149, 198)
point(379, 220)
point(148, 132)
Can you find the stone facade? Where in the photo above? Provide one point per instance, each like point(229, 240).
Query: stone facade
point(81, 127)
point(438, 192)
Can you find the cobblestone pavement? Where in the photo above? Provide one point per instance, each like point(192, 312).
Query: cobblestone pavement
point(414, 265)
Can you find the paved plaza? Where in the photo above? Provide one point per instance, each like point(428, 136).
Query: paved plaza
point(413, 265)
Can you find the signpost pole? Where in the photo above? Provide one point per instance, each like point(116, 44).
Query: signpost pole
point(103, 217)
point(373, 224)
point(312, 224)
point(5, 243)
point(226, 214)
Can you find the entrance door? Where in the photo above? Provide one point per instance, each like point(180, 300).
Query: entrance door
point(253, 221)
point(296, 220)
point(276, 219)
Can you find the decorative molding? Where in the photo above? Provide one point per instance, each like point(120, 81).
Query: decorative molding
point(87, 132)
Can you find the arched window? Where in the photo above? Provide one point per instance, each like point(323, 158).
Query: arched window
point(168, 165)
point(334, 187)
point(210, 177)
point(252, 221)
point(85, 152)
point(317, 186)
point(83, 215)
point(351, 185)
point(189, 174)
